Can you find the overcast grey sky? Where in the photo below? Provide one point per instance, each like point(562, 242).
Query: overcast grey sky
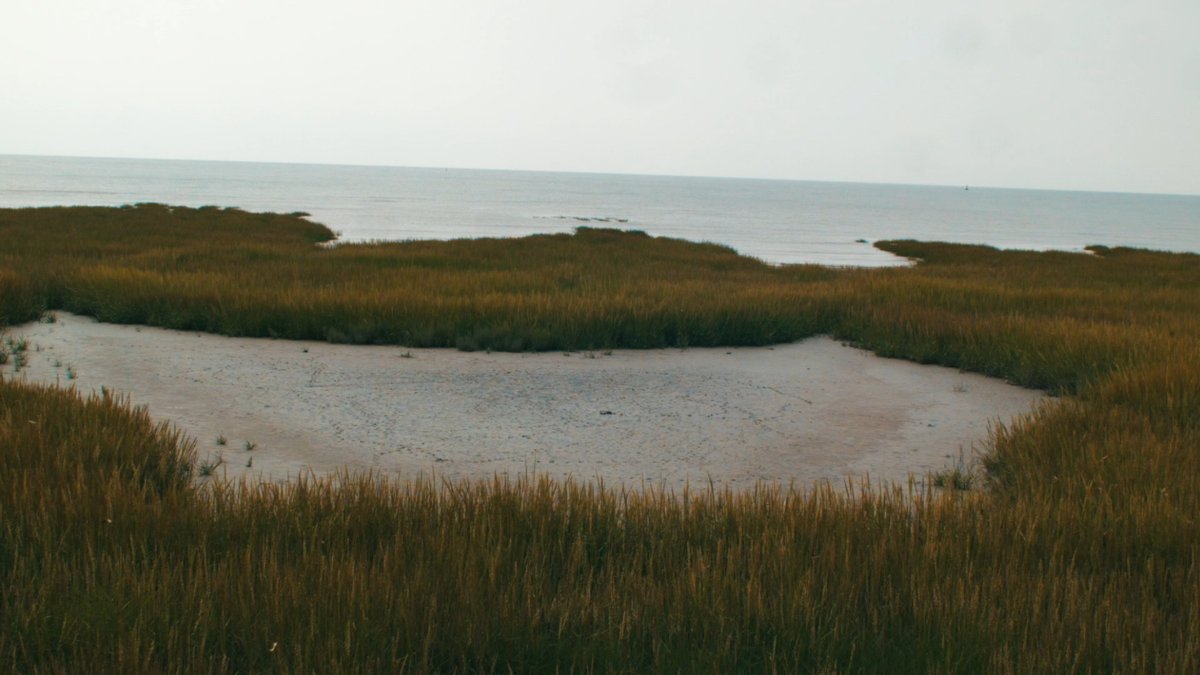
point(1074, 94)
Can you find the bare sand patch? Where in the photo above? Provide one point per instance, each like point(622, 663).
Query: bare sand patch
point(797, 413)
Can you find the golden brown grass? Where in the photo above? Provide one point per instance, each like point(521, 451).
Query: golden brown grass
point(597, 289)
point(1081, 555)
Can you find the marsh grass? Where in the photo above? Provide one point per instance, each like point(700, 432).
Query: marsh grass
point(260, 275)
point(1080, 556)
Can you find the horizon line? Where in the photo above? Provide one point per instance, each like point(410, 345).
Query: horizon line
point(581, 172)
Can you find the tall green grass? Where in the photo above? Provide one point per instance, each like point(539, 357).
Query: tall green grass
point(1080, 556)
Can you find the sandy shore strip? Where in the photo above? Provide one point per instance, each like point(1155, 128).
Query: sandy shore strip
point(797, 413)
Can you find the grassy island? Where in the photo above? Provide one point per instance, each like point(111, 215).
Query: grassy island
point(1080, 553)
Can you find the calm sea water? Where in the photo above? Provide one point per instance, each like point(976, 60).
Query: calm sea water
point(778, 221)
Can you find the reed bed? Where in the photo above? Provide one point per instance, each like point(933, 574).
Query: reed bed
point(1080, 555)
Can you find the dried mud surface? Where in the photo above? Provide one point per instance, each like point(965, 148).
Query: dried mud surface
point(798, 413)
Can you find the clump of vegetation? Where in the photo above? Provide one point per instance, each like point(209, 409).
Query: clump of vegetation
point(960, 477)
point(17, 350)
point(1080, 555)
point(207, 467)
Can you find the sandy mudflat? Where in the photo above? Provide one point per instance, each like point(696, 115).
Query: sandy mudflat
point(796, 413)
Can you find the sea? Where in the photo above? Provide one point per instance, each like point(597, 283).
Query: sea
point(778, 221)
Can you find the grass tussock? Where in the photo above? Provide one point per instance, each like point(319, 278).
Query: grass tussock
point(1079, 553)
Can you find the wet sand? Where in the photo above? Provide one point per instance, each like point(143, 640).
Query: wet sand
point(798, 413)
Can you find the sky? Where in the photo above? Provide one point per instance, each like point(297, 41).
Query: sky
point(1059, 94)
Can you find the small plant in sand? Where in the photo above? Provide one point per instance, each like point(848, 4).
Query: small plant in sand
point(958, 478)
point(250, 446)
point(15, 350)
point(16, 345)
point(221, 440)
point(209, 466)
point(406, 355)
